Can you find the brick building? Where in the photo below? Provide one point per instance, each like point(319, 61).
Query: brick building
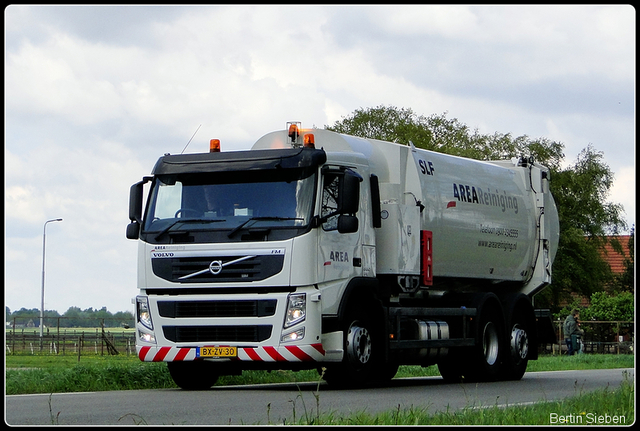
point(613, 258)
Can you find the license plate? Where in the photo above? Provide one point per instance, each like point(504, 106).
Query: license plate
point(217, 352)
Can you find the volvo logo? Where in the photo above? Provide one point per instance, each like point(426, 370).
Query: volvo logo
point(215, 267)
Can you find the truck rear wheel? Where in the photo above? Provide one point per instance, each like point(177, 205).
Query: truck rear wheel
point(488, 353)
point(521, 338)
point(193, 375)
point(516, 364)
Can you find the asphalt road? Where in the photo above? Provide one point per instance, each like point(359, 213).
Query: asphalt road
point(277, 404)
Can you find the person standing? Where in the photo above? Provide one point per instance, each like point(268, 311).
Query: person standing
point(572, 331)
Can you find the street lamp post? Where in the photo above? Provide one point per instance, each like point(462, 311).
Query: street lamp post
point(44, 236)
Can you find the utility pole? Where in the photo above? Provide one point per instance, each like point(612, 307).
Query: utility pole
point(44, 236)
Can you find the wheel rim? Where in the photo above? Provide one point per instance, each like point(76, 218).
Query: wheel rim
point(490, 343)
point(519, 342)
point(358, 344)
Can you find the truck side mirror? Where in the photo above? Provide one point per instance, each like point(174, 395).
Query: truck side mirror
point(133, 230)
point(350, 193)
point(347, 224)
point(135, 202)
point(135, 208)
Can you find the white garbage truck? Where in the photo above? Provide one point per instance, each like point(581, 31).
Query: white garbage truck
point(353, 256)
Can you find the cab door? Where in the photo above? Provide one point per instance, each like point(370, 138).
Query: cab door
point(340, 251)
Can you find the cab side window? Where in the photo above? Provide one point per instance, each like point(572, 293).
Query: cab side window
point(330, 201)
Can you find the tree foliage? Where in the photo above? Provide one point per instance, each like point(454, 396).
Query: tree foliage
point(73, 317)
point(388, 124)
point(445, 135)
point(605, 307)
point(586, 221)
point(581, 193)
point(625, 282)
point(580, 190)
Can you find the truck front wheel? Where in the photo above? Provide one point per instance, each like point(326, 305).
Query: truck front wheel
point(363, 361)
point(193, 375)
point(358, 345)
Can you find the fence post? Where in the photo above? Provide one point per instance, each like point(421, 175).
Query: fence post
point(14, 334)
point(601, 336)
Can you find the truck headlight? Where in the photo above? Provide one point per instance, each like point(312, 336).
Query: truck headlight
point(293, 336)
point(296, 309)
point(147, 337)
point(144, 315)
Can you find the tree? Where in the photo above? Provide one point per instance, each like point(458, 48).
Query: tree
point(580, 190)
point(124, 319)
point(387, 124)
point(605, 307)
point(103, 315)
point(72, 317)
point(586, 220)
point(51, 318)
point(23, 316)
point(445, 135)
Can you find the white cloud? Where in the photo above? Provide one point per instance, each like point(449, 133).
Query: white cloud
point(94, 95)
point(452, 22)
point(622, 193)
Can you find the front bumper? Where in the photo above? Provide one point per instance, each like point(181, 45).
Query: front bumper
point(301, 353)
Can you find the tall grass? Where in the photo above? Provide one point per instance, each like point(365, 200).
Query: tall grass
point(88, 378)
point(600, 407)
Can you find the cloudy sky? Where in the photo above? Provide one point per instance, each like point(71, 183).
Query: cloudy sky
point(94, 95)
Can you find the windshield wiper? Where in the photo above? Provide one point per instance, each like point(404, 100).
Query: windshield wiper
point(190, 220)
point(241, 225)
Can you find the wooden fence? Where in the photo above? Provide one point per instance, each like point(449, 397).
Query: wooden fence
point(615, 337)
point(600, 337)
point(71, 342)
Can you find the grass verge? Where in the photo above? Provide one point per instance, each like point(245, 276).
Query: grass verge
point(601, 407)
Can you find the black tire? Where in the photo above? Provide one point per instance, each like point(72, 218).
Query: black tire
point(451, 369)
point(193, 375)
point(521, 338)
point(363, 362)
point(488, 355)
point(519, 345)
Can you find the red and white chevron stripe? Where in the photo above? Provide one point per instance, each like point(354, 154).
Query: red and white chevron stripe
point(304, 353)
point(165, 354)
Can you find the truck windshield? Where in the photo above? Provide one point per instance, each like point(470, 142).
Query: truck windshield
point(200, 203)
